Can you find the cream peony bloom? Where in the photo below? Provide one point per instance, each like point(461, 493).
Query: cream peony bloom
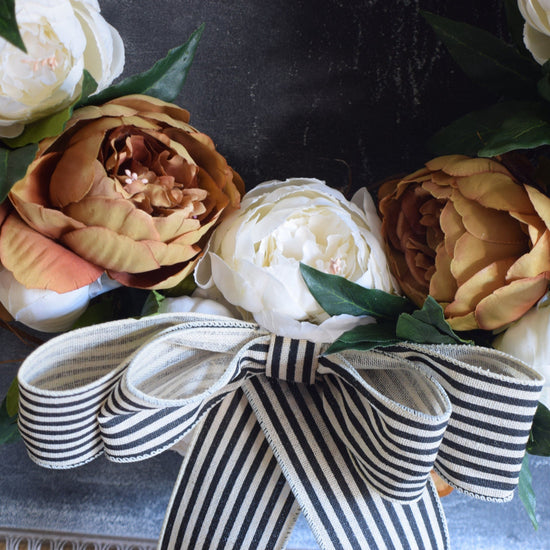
point(528, 339)
point(62, 37)
point(536, 32)
point(254, 256)
point(46, 310)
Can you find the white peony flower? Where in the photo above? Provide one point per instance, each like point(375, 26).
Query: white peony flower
point(46, 310)
point(528, 339)
point(183, 304)
point(536, 32)
point(254, 255)
point(62, 37)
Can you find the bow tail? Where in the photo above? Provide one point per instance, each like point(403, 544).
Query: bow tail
point(341, 509)
point(230, 492)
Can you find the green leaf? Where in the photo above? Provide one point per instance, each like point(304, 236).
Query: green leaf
point(52, 125)
point(99, 311)
point(427, 326)
point(184, 288)
point(12, 398)
point(365, 337)
point(515, 25)
point(13, 166)
point(8, 24)
point(89, 86)
point(337, 295)
point(163, 81)
point(486, 59)
point(539, 437)
point(9, 432)
point(152, 303)
point(526, 492)
point(501, 128)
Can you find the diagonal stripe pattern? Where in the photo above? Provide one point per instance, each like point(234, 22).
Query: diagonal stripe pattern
point(349, 438)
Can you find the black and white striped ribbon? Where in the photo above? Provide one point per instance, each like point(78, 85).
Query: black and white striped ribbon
point(349, 438)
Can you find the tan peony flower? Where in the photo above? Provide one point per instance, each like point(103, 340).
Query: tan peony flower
point(128, 188)
point(466, 232)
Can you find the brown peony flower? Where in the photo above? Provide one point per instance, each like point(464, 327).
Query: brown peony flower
point(128, 188)
point(466, 232)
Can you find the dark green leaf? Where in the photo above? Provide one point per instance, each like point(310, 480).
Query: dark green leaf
point(501, 128)
point(152, 303)
point(89, 86)
point(526, 492)
point(9, 432)
point(163, 81)
point(515, 25)
point(8, 24)
point(427, 326)
point(54, 124)
point(99, 311)
point(12, 398)
point(485, 58)
point(337, 295)
point(184, 288)
point(13, 165)
point(539, 438)
point(365, 337)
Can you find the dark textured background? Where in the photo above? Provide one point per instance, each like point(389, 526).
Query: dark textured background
point(342, 90)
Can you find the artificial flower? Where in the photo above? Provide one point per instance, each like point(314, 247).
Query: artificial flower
point(254, 256)
point(183, 304)
point(62, 38)
point(528, 339)
point(464, 231)
point(46, 310)
point(536, 31)
point(129, 188)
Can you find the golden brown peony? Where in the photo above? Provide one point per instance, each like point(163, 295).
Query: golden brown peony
point(128, 188)
point(466, 232)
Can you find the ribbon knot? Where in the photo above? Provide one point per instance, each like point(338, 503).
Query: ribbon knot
point(349, 439)
point(292, 360)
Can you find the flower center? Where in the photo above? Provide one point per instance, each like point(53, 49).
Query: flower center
point(335, 266)
point(50, 62)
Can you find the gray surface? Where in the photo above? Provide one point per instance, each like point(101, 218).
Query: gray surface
point(326, 89)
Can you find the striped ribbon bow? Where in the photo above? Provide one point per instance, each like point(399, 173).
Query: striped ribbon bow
point(349, 439)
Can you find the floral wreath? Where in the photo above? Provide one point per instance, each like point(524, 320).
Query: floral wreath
point(355, 359)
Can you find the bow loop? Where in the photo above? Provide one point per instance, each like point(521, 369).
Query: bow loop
point(390, 416)
point(494, 398)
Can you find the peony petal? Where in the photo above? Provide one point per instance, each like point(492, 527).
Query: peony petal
point(119, 215)
point(111, 250)
point(456, 165)
point(163, 278)
point(541, 204)
point(34, 186)
point(436, 190)
point(496, 191)
point(441, 163)
point(149, 104)
point(488, 224)
point(472, 255)
point(442, 284)
point(535, 262)
point(477, 287)
point(452, 227)
point(174, 225)
point(52, 223)
point(510, 302)
point(39, 262)
point(466, 322)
